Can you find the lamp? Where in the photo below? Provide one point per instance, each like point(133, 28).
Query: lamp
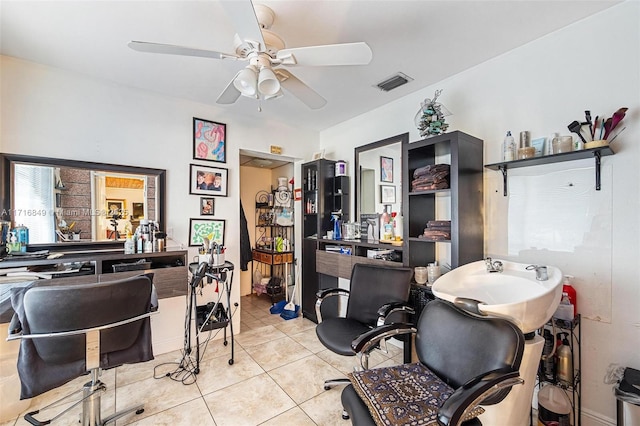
point(246, 81)
point(268, 83)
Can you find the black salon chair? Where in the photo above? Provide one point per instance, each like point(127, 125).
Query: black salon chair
point(464, 361)
point(377, 295)
point(71, 330)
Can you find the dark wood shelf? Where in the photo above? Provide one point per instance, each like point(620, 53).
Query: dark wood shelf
point(595, 153)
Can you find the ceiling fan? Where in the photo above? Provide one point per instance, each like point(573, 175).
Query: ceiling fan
point(264, 50)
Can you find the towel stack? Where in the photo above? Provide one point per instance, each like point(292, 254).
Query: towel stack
point(437, 230)
point(430, 177)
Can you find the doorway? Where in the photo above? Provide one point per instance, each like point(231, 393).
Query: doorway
point(260, 173)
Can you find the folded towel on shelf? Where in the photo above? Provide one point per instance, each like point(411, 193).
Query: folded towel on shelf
point(439, 224)
point(430, 177)
point(436, 234)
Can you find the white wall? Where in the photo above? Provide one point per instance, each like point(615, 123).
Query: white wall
point(52, 113)
point(542, 87)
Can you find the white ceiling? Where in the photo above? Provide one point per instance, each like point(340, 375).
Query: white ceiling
point(427, 40)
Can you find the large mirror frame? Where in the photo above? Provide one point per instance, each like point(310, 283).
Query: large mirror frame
point(400, 140)
point(7, 182)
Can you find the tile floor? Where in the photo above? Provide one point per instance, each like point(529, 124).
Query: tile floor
point(276, 379)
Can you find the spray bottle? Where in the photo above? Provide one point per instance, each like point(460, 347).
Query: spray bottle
point(335, 217)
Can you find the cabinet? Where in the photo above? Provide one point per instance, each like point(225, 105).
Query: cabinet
point(572, 328)
point(274, 237)
point(461, 202)
point(169, 271)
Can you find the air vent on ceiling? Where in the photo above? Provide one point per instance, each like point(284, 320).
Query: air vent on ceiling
point(394, 81)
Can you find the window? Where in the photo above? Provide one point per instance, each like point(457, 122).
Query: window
point(34, 203)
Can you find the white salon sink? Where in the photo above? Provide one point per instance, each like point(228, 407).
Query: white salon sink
point(514, 293)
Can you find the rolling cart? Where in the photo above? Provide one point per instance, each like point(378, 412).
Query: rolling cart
point(213, 315)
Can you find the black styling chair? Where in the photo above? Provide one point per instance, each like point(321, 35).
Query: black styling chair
point(378, 295)
point(464, 361)
point(68, 331)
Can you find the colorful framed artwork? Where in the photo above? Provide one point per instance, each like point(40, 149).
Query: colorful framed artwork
point(386, 169)
point(212, 229)
point(115, 207)
point(205, 180)
point(209, 140)
point(207, 205)
point(387, 194)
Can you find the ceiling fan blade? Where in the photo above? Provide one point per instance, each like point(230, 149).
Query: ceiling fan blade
point(230, 94)
point(245, 22)
point(300, 90)
point(328, 55)
point(169, 49)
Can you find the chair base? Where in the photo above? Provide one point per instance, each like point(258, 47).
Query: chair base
point(91, 409)
point(328, 384)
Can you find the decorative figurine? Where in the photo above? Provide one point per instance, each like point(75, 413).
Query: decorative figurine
point(430, 118)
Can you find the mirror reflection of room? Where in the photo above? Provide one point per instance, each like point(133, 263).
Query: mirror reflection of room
point(76, 204)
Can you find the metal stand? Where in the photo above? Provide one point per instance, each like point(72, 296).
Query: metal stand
point(213, 315)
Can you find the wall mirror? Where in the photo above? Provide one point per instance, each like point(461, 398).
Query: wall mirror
point(76, 203)
point(378, 176)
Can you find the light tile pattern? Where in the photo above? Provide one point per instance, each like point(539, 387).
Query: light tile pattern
point(276, 379)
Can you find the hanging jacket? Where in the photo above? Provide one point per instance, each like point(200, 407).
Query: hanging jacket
point(245, 243)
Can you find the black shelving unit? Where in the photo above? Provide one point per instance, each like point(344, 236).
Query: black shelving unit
point(318, 201)
point(574, 329)
point(464, 154)
point(274, 239)
point(595, 153)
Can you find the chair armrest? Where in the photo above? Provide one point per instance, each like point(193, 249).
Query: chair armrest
point(389, 308)
point(473, 392)
point(15, 326)
point(367, 341)
point(328, 292)
point(325, 293)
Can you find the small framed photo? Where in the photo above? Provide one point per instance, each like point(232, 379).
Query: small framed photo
point(297, 194)
point(209, 140)
point(387, 194)
point(317, 155)
point(386, 169)
point(116, 207)
point(212, 229)
point(207, 205)
point(205, 180)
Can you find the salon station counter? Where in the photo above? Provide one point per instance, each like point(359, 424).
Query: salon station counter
point(169, 268)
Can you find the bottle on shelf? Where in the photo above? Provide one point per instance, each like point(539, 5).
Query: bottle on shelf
point(548, 367)
point(384, 221)
point(566, 310)
point(564, 360)
point(129, 246)
point(509, 148)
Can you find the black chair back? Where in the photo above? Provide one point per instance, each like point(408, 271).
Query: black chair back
point(373, 286)
point(73, 307)
point(452, 343)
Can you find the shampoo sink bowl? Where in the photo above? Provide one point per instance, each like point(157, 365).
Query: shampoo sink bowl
point(514, 293)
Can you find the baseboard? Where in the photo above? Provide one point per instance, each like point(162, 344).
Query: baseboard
point(591, 418)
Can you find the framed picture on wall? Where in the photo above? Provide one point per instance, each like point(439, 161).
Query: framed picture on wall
point(205, 180)
point(209, 140)
point(115, 207)
point(387, 194)
point(386, 169)
point(212, 229)
point(207, 205)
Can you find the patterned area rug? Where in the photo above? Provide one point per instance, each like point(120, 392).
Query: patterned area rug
point(406, 394)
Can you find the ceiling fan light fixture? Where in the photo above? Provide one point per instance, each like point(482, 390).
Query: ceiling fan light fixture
point(268, 83)
point(246, 81)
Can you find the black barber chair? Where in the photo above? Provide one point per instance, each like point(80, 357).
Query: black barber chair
point(68, 331)
point(464, 361)
point(378, 295)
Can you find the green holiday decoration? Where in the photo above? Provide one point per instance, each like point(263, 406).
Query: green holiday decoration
point(430, 118)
